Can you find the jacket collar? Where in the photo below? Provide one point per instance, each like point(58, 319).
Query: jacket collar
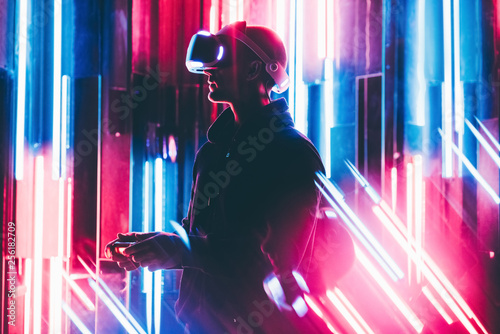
point(222, 129)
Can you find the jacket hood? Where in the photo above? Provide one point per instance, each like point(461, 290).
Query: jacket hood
point(222, 130)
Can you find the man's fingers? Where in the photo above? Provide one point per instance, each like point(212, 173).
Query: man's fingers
point(128, 265)
point(144, 236)
point(153, 267)
point(132, 236)
point(138, 247)
point(143, 256)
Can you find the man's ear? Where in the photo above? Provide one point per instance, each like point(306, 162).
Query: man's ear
point(254, 69)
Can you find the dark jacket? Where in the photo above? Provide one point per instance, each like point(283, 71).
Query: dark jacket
point(253, 203)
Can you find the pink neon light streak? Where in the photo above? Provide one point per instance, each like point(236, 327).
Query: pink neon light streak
point(405, 310)
point(430, 270)
point(437, 305)
point(352, 310)
point(38, 245)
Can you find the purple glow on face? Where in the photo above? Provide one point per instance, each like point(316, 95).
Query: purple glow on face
point(221, 52)
point(300, 281)
point(194, 64)
point(300, 307)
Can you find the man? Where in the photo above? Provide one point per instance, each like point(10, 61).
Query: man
point(253, 202)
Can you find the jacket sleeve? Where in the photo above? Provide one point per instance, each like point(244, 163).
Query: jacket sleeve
point(293, 205)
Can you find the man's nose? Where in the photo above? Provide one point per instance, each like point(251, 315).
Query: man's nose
point(208, 72)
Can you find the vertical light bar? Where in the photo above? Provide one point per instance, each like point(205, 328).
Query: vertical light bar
point(27, 296)
point(330, 28)
point(421, 84)
point(281, 20)
point(345, 313)
point(65, 100)
point(367, 37)
point(241, 9)
point(329, 86)
point(55, 319)
point(379, 279)
point(328, 112)
point(394, 188)
point(437, 305)
point(353, 311)
point(75, 319)
point(21, 87)
point(300, 88)
point(158, 186)
point(172, 149)
point(56, 116)
point(214, 16)
point(69, 220)
point(336, 24)
point(292, 58)
point(447, 117)
point(60, 220)
point(321, 36)
point(147, 281)
point(409, 214)
point(418, 215)
point(38, 245)
point(459, 89)
point(233, 10)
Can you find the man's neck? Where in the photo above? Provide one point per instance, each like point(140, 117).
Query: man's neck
point(245, 109)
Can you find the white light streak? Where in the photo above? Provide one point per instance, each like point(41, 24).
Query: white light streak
point(447, 118)
point(56, 116)
point(75, 319)
point(21, 87)
point(38, 245)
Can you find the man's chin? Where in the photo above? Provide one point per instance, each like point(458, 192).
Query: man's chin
point(215, 98)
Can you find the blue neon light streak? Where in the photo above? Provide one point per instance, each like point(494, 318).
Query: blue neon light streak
point(364, 183)
point(147, 280)
point(181, 232)
point(21, 88)
point(158, 275)
point(484, 142)
point(474, 172)
point(121, 307)
point(365, 237)
point(56, 116)
point(65, 104)
point(74, 318)
point(112, 307)
point(488, 133)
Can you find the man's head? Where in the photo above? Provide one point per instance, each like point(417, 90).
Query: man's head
point(239, 61)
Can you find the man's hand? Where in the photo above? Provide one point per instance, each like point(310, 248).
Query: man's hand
point(155, 250)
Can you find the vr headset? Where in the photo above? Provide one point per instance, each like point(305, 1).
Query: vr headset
point(207, 51)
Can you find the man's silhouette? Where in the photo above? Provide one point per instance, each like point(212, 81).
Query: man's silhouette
point(253, 201)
